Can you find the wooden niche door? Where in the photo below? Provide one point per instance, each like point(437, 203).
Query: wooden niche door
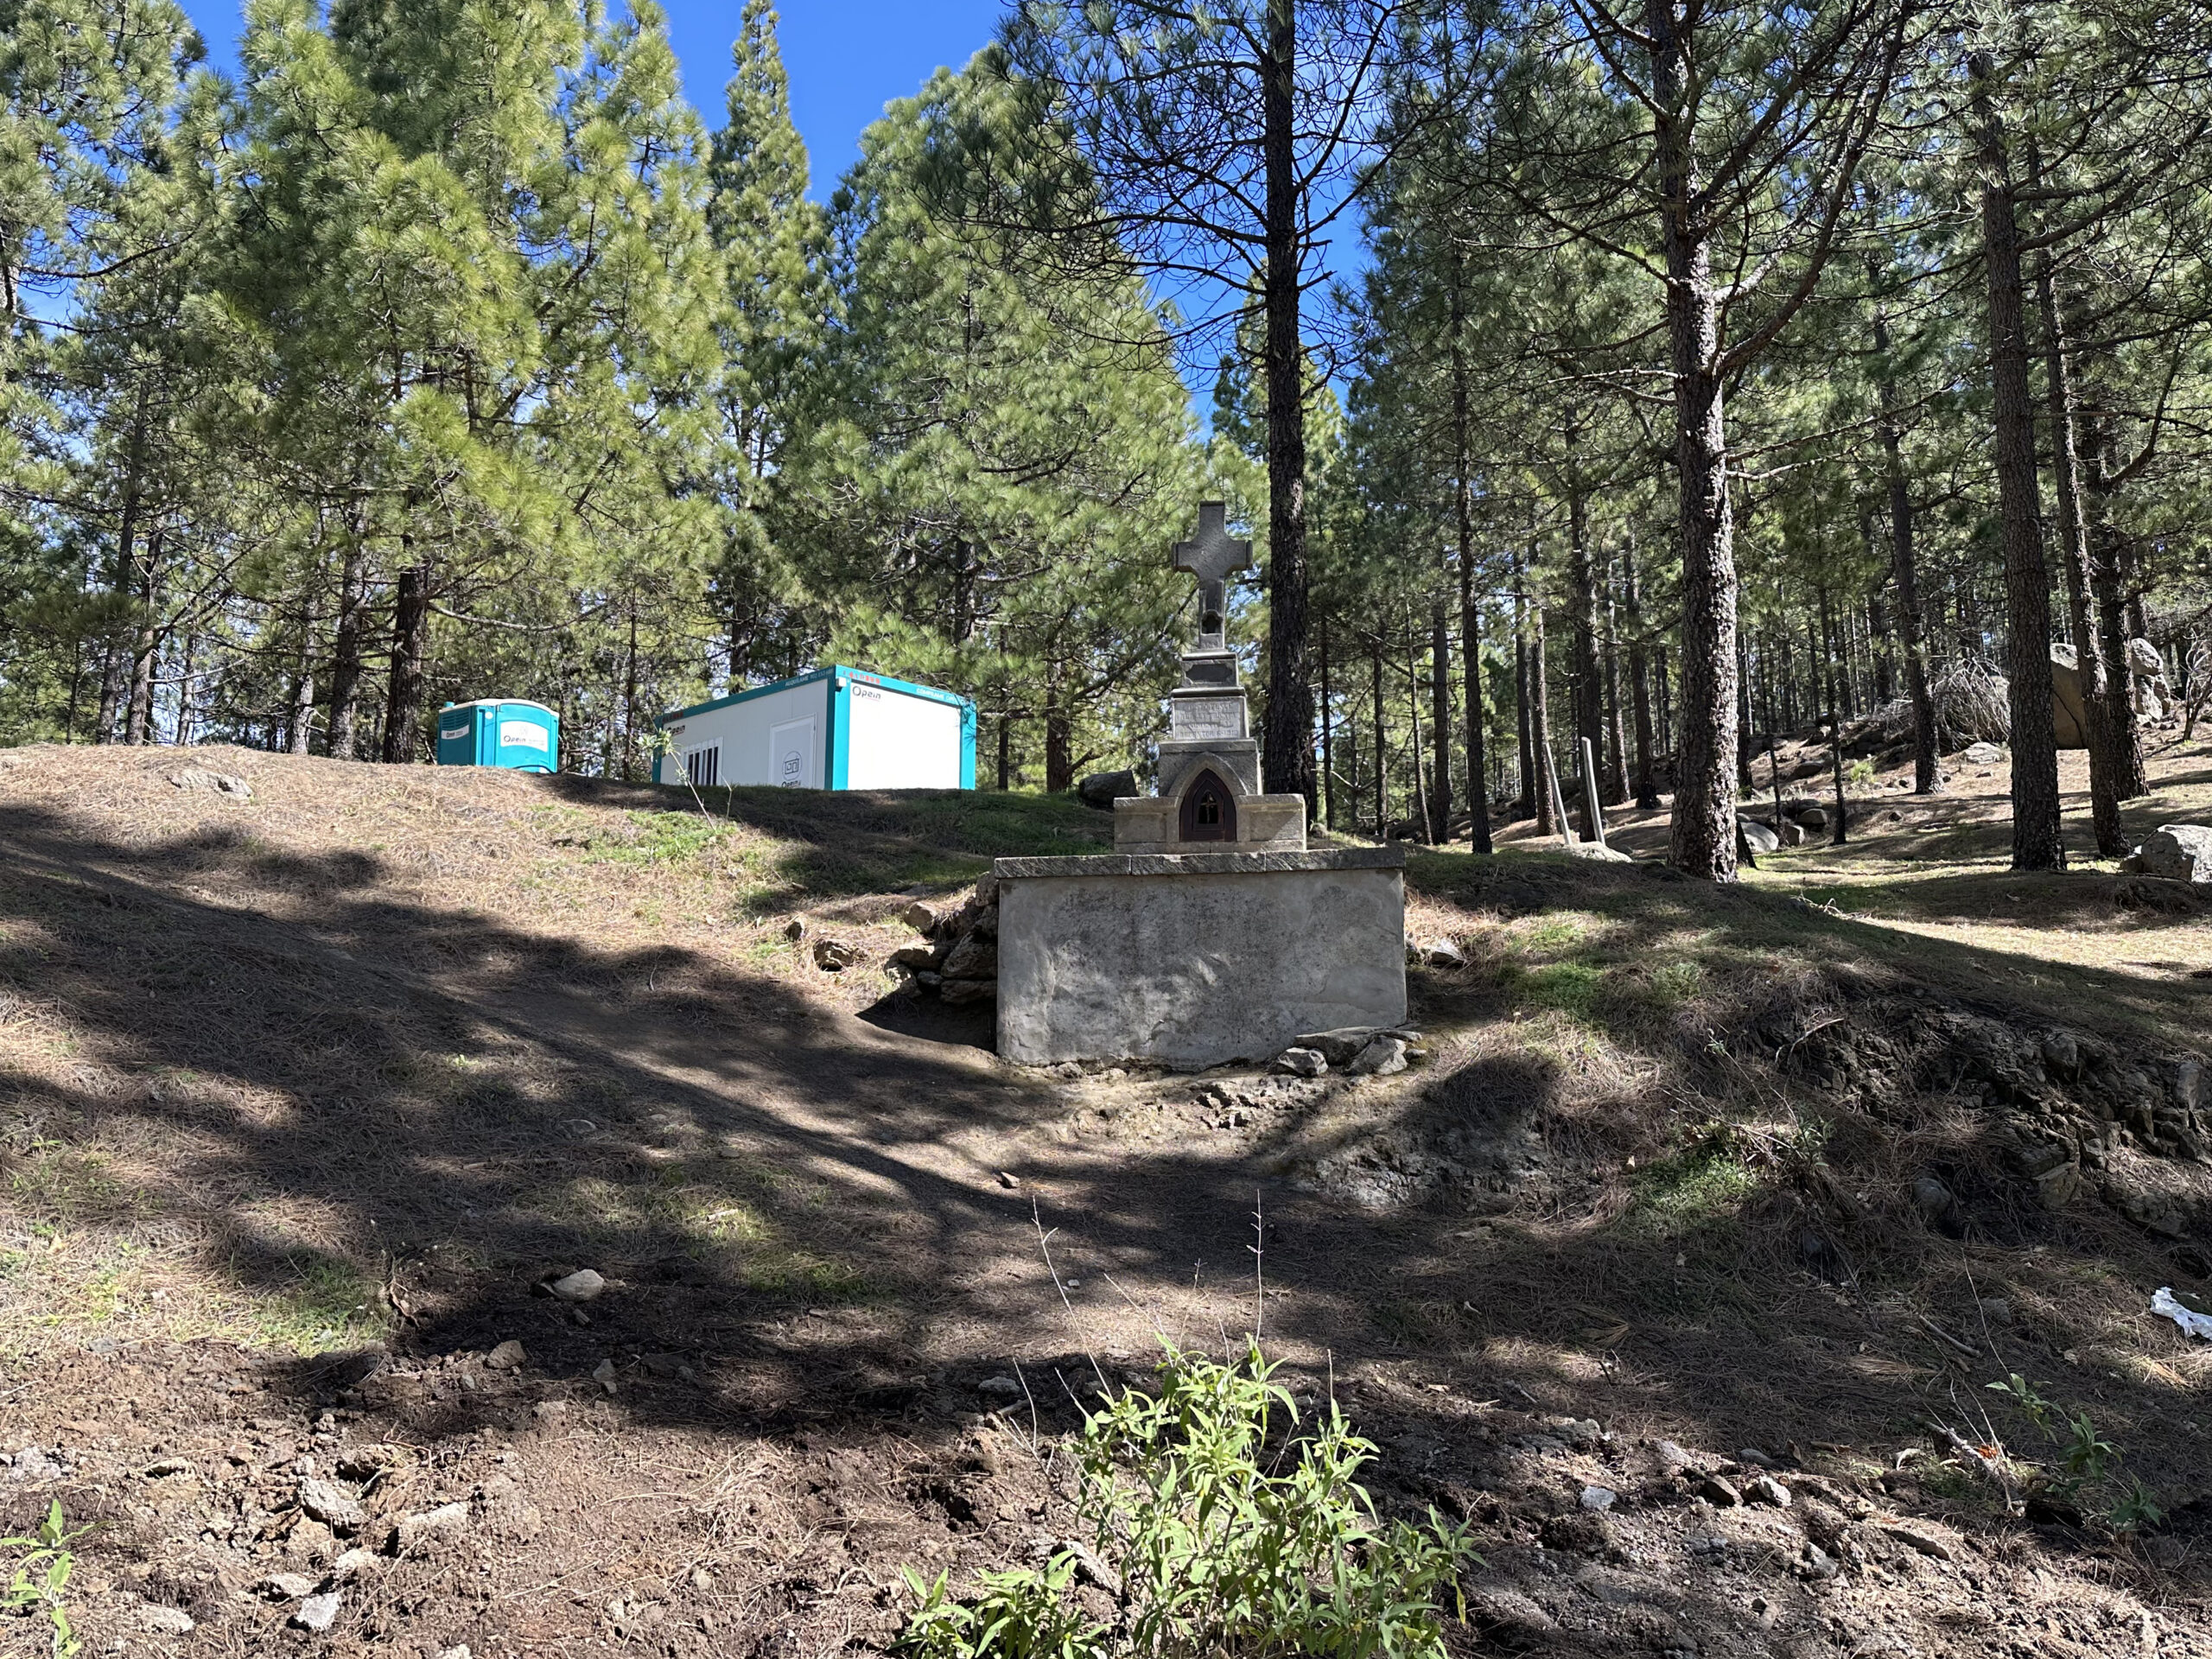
point(1209, 809)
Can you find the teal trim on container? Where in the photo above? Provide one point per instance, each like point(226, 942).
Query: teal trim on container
point(746, 697)
point(836, 763)
point(838, 717)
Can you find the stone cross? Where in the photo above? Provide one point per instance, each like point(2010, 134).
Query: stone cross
point(1212, 555)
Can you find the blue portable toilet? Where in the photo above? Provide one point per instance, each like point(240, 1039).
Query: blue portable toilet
point(495, 732)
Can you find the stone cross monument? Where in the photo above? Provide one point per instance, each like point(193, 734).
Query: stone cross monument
point(1212, 555)
point(1209, 774)
point(1210, 932)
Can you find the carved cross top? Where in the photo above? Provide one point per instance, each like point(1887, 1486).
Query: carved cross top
point(1212, 555)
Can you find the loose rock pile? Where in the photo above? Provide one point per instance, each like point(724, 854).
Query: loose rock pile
point(1358, 1051)
point(960, 963)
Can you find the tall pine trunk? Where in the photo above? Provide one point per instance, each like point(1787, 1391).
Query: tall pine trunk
point(1470, 622)
point(411, 644)
point(1927, 770)
point(2129, 778)
point(1585, 697)
point(1540, 725)
point(1616, 767)
point(1287, 757)
point(1523, 729)
point(300, 726)
point(1639, 679)
point(2037, 843)
point(345, 647)
point(1439, 721)
point(1703, 838)
point(2073, 541)
point(1381, 801)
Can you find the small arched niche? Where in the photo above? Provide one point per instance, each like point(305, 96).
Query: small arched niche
point(1208, 811)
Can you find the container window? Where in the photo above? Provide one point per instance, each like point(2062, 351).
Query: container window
point(704, 766)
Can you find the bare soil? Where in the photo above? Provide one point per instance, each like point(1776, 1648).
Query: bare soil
point(306, 1098)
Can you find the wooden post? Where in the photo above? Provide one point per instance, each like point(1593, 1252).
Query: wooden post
point(1559, 802)
point(1593, 815)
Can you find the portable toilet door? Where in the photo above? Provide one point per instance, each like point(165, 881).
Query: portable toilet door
point(515, 736)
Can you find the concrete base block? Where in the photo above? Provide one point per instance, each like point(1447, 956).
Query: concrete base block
point(1196, 959)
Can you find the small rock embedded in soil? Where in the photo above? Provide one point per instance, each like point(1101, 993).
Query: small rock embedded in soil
point(1385, 1057)
point(331, 1504)
point(999, 1385)
point(1673, 1458)
point(1008, 1181)
point(1720, 1491)
point(1599, 1498)
point(581, 1286)
point(430, 1524)
point(287, 1586)
point(835, 955)
point(1767, 1490)
point(1302, 1062)
point(1926, 1543)
point(166, 1621)
point(603, 1374)
point(318, 1613)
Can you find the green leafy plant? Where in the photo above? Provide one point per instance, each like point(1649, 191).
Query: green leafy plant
point(41, 1575)
point(1231, 1533)
point(2086, 1461)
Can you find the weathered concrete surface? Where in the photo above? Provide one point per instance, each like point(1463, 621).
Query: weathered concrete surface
point(1195, 959)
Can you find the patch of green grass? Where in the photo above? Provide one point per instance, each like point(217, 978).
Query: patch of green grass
point(60, 1184)
point(1673, 984)
point(329, 1304)
point(1700, 1184)
point(1573, 988)
point(662, 838)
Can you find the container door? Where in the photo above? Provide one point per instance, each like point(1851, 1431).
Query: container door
point(790, 754)
point(524, 741)
point(456, 737)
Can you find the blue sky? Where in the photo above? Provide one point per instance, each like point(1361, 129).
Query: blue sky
point(847, 58)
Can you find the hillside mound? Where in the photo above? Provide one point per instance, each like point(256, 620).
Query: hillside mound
point(469, 1197)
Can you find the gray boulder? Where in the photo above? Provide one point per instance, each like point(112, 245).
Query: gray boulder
point(1597, 855)
point(2180, 852)
point(1383, 1057)
point(1983, 754)
point(972, 958)
point(1337, 1046)
point(1103, 789)
point(1302, 1062)
point(1763, 840)
point(1811, 816)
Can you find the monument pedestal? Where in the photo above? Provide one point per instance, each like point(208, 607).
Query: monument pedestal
point(1196, 958)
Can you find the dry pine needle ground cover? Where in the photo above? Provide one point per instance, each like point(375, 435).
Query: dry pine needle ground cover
point(305, 1098)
